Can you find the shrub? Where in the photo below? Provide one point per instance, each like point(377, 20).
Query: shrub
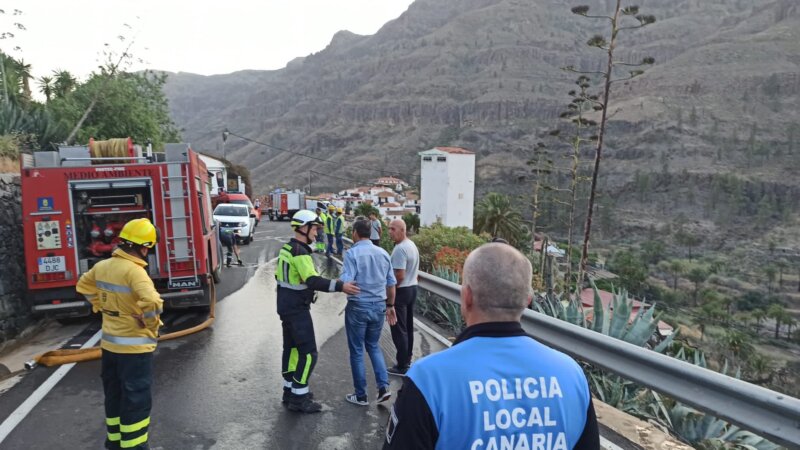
point(431, 239)
point(451, 258)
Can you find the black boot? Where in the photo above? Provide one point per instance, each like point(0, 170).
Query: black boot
point(303, 404)
point(287, 395)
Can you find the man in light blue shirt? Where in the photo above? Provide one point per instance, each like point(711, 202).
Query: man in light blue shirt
point(370, 267)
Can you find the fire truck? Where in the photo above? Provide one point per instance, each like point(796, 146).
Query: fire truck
point(74, 204)
point(283, 205)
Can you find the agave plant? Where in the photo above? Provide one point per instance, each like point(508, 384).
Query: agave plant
point(706, 432)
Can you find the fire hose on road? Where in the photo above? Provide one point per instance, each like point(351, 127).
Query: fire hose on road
point(67, 356)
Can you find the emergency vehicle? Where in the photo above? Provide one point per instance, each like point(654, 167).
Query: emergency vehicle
point(74, 204)
point(283, 205)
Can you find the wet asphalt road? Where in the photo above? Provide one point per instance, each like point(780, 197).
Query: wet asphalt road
point(220, 388)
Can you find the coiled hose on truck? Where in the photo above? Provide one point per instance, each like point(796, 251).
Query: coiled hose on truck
point(67, 356)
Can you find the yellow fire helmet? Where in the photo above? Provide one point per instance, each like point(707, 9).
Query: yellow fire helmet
point(331, 208)
point(340, 210)
point(140, 232)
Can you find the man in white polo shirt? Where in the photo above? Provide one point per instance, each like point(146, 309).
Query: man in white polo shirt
point(405, 262)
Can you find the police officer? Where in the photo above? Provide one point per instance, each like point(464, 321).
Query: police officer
point(297, 279)
point(496, 384)
point(121, 289)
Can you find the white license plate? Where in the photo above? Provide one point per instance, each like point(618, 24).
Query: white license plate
point(50, 264)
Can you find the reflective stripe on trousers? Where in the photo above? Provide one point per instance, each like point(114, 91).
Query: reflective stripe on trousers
point(127, 381)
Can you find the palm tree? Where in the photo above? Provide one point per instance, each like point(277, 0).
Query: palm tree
point(496, 215)
point(24, 74)
point(64, 82)
point(758, 315)
point(790, 322)
point(778, 314)
point(770, 273)
point(46, 87)
point(697, 275)
point(676, 268)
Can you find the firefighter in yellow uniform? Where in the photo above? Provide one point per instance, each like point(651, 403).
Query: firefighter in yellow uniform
point(121, 289)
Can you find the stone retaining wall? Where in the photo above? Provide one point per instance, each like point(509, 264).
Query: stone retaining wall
point(14, 311)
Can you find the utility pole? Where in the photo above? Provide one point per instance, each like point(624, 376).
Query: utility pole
point(309, 182)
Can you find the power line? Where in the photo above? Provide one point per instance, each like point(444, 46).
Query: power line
point(339, 178)
point(306, 155)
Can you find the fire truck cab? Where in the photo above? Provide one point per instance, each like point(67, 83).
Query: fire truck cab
point(75, 203)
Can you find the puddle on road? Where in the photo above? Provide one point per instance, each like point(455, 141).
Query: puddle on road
point(249, 316)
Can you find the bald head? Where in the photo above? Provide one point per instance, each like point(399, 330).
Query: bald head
point(499, 277)
point(397, 230)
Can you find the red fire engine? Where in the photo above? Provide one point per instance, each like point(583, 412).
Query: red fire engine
point(75, 203)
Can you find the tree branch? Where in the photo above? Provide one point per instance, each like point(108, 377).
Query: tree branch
point(574, 70)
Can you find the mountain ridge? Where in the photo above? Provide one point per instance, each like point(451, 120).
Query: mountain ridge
point(486, 75)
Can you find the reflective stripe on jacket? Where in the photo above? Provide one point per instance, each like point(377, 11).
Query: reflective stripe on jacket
point(329, 222)
point(119, 287)
point(339, 227)
point(297, 278)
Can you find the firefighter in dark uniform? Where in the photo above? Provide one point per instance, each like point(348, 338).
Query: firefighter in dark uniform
point(231, 238)
point(121, 289)
point(297, 279)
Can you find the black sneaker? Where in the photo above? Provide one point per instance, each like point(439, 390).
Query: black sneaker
point(384, 394)
point(303, 404)
point(240, 263)
point(396, 370)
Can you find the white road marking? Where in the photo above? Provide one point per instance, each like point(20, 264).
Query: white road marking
point(27, 406)
point(605, 444)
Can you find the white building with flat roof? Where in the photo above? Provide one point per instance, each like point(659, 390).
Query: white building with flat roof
point(447, 188)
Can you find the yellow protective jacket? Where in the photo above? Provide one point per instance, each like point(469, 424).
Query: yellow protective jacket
point(119, 287)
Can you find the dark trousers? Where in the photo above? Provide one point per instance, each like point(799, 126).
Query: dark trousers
point(329, 249)
point(377, 242)
point(299, 350)
point(403, 330)
point(126, 383)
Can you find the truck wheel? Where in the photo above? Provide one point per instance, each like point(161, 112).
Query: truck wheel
point(216, 273)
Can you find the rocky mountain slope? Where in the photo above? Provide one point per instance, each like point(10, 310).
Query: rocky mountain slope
point(710, 133)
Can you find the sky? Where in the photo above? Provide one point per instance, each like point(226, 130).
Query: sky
point(202, 36)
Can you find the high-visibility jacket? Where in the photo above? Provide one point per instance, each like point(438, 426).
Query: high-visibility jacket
point(324, 218)
point(297, 278)
point(119, 287)
point(338, 228)
point(329, 222)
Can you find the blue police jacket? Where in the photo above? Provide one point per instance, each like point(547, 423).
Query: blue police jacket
point(495, 388)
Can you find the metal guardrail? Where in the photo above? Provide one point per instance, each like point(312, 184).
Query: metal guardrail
point(767, 413)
